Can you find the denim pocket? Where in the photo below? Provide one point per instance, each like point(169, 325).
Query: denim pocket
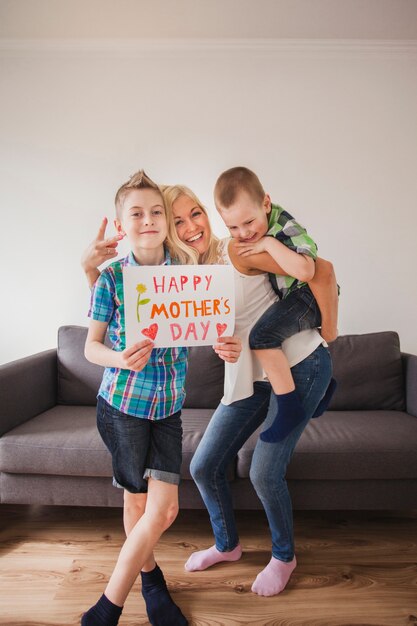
point(311, 317)
point(104, 425)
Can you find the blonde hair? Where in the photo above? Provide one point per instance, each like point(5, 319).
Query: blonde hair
point(171, 194)
point(233, 181)
point(179, 251)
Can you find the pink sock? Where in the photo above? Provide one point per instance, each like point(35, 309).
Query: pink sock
point(206, 558)
point(273, 579)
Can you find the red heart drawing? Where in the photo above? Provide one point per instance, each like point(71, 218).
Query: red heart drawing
point(150, 332)
point(220, 329)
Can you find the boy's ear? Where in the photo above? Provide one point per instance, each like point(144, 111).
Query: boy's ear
point(118, 227)
point(267, 203)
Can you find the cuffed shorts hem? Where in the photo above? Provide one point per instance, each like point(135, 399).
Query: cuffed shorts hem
point(165, 477)
point(118, 485)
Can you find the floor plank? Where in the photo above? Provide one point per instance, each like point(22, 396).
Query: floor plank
point(354, 568)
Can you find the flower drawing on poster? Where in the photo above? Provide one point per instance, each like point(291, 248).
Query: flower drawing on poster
point(141, 289)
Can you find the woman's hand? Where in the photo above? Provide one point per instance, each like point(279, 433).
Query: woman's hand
point(228, 348)
point(100, 249)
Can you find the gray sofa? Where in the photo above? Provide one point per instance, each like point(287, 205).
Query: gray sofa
point(361, 454)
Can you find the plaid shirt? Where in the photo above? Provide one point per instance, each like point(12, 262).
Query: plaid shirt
point(283, 227)
point(155, 392)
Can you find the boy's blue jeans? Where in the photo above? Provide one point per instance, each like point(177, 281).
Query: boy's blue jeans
point(227, 431)
point(285, 318)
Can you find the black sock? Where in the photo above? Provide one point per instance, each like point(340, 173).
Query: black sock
point(161, 609)
point(325, 401)
point(290, 414)
point(104, 613)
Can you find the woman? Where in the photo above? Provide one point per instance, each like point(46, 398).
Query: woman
point(247, 401)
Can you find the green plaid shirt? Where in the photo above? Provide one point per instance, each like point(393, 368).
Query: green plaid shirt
point(155, 392)
point(283, 227)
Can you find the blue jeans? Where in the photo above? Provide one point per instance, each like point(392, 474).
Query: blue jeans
point(227, 431)
point(285, 318)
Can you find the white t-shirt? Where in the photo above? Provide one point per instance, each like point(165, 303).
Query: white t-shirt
point(253, 295)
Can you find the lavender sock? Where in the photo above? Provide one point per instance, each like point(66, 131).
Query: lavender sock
point(274, 578)
point(206, 558)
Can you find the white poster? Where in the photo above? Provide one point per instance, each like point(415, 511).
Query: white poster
point(178, 305)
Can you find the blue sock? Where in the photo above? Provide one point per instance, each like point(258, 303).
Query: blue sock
point(160, 607)
point(104, 613)
point(290, 414)
point(325, 401)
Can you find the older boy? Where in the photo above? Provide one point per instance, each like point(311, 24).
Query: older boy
point(138, 411)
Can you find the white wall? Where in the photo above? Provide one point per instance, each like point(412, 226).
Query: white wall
point(299, 19)
point(331, 129)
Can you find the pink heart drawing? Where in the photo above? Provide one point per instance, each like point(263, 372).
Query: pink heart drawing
point(150, 332)
point(220, 329)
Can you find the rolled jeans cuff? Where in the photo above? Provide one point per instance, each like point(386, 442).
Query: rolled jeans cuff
point(165, 477)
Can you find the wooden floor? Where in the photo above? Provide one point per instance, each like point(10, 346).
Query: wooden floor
point(353, 568)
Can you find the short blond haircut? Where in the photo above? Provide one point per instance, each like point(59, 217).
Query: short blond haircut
point(179, 251)
point(231, 182)
point(171, 194)
point(139, 180)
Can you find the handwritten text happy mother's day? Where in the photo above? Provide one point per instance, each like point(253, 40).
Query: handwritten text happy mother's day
point(178, 305)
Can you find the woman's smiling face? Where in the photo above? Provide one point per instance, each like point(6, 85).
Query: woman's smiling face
point(192, 223)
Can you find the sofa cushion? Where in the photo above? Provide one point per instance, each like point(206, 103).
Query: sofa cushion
point(62, 441)
point(350, 445)
point(369, 372)
point(65, 441)
point(205, 376)
point(78, 379)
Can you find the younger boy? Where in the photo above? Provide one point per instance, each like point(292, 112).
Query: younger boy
point(260, 226)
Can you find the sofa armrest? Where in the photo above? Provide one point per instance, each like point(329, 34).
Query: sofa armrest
point(27, 388)
point(410, 375)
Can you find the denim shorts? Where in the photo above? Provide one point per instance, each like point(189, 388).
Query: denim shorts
point(141, 448)
point(285, 318)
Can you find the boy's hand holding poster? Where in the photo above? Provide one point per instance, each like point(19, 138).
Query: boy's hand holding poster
point(178, 305)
